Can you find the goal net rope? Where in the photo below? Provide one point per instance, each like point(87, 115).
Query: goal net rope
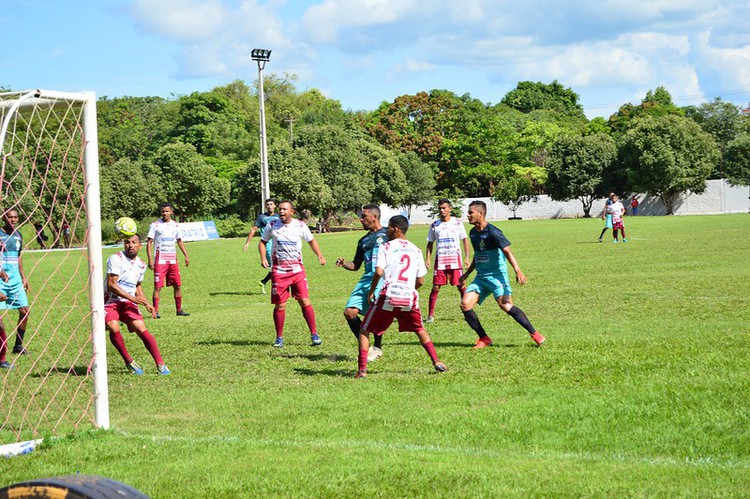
point(49, 176)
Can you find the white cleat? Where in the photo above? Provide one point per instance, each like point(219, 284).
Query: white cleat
point(373, 354)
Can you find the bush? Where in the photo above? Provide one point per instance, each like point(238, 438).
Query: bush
point(232, 226)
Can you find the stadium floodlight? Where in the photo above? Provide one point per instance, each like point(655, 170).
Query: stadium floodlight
point(262, 56)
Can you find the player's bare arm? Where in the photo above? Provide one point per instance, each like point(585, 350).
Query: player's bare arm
point(468, 271)
point(419, 282)
point(428, 254)
point(250, 237)
point(520, 277)
point(465, 242)
point(316, 249)
point(24, 280)
point(144, 301)
point(354, 266)
point(374, 284)
point(184, 251)
point(150, 252)
point(263, 254)
point(4, 276)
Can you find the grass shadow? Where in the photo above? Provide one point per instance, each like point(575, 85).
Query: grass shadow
point(237, 343)
point(337, 373)
point(73, 370)
point(234, 293)
point(317, 357)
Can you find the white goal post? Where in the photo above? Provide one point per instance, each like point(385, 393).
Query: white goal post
point(50, 175)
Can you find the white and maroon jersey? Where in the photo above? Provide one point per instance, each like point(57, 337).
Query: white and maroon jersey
point(616, 209)
point(286, 255)
point(129, 274)
point(448, 235)
point(165, 236)
point(402, 263)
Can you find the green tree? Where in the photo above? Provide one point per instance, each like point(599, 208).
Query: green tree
point(576, 168)
point(655, 103)
point(723, 120)
point(529, 96)
point(666, 156)
point(188, 182)
point(737, 160)
point(420, 180)
point(418, 123)
point(515, 188)
point(126, 190)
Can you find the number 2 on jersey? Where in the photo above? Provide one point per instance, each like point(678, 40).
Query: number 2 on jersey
point(404, 258)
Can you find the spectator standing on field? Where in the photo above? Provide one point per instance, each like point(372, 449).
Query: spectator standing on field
point(41, 237)
point(634, 206)
point(491, 252)
point(164, 237)
point(450, 236)
point(260, 224)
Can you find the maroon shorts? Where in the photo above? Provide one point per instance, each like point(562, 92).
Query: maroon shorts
point(167, 272)
point(617, 225)
point(447, 276)
point(123, 311)
point(378, 320)
point(284, 284)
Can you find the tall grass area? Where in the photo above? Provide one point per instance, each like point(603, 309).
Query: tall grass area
point(642, 388)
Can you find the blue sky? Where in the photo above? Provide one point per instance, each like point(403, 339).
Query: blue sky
point(364, 52)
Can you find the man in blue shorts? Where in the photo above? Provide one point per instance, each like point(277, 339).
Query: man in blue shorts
point(14, 287)
point(491, 250)
point(367, 253)
point(260, 224)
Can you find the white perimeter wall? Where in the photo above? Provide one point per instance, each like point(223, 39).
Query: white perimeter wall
point(719, 198)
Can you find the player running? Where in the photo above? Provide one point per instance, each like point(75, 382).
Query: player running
point(367, 252)
point(166, 236)
point(13, 282)
point(491, 250)
point(125, 271)
point(400, 265)
point(450, 235)
point(260, 224)
point(287, 271)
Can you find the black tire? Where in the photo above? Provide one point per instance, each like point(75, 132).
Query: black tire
point(72, 487)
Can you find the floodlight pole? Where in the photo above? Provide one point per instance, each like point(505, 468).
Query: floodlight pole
point(262, 56)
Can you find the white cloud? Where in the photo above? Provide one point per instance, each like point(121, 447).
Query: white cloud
point(414, 66)
point(184, 20)
point(322, 22)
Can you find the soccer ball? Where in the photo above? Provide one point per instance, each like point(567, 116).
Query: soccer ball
point(126, 227)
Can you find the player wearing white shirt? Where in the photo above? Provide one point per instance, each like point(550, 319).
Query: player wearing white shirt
point(616, 210)
point(401, 265)
point(288, 275)
point(450, 235)
point(164, 238)
point(123, 293)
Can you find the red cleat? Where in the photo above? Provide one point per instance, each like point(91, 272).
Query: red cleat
point(482, 342)
point(538, 338)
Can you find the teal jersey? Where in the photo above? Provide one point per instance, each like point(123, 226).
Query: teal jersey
point(11, 246)
point(367, 249)
point(264, 219)
point(488, 247)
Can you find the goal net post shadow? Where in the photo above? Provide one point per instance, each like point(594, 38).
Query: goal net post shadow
point(50, 176)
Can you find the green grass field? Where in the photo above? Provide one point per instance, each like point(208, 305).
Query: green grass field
point(642, 388)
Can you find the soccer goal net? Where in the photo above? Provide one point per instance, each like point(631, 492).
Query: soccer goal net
point(55, 380)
